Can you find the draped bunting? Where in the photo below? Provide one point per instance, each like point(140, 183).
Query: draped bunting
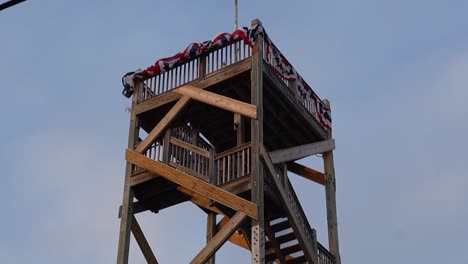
point(277, 62)
point(192, 51)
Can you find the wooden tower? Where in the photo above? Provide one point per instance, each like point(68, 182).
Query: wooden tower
point(221, 125)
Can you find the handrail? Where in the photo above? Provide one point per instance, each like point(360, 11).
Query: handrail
point(324, 256)
point(233, 163)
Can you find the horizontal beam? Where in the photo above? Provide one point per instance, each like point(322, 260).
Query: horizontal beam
point(210, 191)
point(299, 152)
point(220, 238)
point(218, 100)
point(159, 128)
point(306, 172)
point(137, 207)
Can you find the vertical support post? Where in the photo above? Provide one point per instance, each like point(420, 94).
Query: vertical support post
point(202, 67)
point(256, 180)
point(167, 146)
point(330, 195)
point(211, 232)
point(212, 175)
point(127, 214)
point(239, 127)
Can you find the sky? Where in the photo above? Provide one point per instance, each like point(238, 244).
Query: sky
point(395, 72)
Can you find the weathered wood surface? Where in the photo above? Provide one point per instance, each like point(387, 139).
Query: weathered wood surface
point(219, 195)
point(190, 147)
point(159, 128)
point(143, 243)
point(299, 152)
point(210, 233)
point(200, 200)
point(218, 100)
point(306, 172)
point(220, 238)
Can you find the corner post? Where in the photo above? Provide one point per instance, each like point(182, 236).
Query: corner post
point(256, 180)
point(330, 195)
point(211, 232)
point(127, 210)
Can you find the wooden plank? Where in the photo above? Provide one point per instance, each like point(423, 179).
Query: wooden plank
point(212, 192)
point(202, 83)
point(306, 172)
point(220, 238)
point(232, 150)
point(218, 100)
point(299, 152)
point(143, 243)
point(185, 145)
point(159, 128)
point(200, 200)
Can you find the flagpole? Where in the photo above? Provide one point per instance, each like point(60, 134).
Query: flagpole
point(235, 15)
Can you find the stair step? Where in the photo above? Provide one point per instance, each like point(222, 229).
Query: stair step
point(291, 249)
point(286, 237)
point(298, 260)
point(280, 226)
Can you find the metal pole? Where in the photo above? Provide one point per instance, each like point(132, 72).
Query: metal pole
point(235, 15)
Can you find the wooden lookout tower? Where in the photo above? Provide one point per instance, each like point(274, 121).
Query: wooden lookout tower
point(221, 124)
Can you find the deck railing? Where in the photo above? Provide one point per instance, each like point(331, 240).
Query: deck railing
point(233, 163)
point(194, 69)
point(324, 257)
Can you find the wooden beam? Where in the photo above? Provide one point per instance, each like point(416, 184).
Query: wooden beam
point(199, 200)
point(256, 135)
point(218, 100)
point(210, 233)
point(142, 242)
point(159, 128)
point(299, 152)
point(220, 238)
point(306, 172)
point(212, 192)
point(330, 197)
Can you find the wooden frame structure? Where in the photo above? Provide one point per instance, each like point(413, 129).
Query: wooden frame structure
point(218, 136)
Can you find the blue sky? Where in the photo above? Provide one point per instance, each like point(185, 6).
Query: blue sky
point(396, 73)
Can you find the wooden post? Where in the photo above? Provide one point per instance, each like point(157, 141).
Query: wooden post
point(239, 127)
point(258, 233)
point(211, 232)
point(127, 214)
point(330, 195)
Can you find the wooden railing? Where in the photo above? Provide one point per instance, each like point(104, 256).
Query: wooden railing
point(194, 69)
point(233, 163)
point(324, 257)
point(189, 158)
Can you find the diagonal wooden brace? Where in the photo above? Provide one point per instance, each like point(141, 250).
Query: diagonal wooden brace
point(220, 238)
point(159, 128)
point(217, 100)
